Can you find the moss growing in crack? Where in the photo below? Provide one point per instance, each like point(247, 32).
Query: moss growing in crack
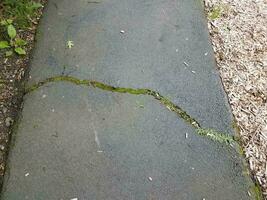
point(216, 136)
point(210, 133)
point(142, 91)
point(172, 107)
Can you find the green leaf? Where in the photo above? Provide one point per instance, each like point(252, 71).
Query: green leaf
point(6, 22)
point(11, 31)
point(20, 51)
point(3, 22)
point(36, 5)
point(20, 42)
point(9, 21)
point(9, 53)
point(4, 44)
point(70, 44)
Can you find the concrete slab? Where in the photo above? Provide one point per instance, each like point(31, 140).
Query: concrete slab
point(86, 143)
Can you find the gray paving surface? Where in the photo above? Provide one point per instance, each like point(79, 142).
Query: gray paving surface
point(85, 143)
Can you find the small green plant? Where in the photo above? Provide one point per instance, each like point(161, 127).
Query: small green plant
point(21, 11)
point(215, 13)
point(14, 42)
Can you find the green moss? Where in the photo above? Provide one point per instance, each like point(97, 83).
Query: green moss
point(216, 135)
point(209, 133)
point(241, 150)
point(235, 126)
point(215, 12)
point(38, 34)
point(256, 190)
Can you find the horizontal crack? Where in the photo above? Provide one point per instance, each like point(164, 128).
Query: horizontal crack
point(210, 133)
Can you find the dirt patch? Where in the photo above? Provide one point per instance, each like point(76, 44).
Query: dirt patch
point(12, 74)
point(239, 37)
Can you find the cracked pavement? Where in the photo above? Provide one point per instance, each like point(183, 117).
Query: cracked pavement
point(72, 142)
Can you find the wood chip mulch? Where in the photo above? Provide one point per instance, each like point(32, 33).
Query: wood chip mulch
point(238, 32)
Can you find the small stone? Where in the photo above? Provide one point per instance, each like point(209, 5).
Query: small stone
point(150, 178)
point(4, 110)
point(122, 31)
point(43, 96)
point(27, 174)
point(2, 147)
point(8, 121)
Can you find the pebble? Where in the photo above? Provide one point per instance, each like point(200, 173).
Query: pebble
point(2, 147)
point(8, 121)
point(4, 110)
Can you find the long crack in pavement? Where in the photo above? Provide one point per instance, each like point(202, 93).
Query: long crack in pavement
point(209, 133)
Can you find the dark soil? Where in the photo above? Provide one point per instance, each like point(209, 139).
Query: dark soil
point(13, 71)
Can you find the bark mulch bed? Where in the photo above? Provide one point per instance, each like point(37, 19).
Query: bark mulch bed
point(238, 32)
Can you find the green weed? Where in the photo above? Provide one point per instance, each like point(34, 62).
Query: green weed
point(14, 42)
point(21, 11)
point(215, 13)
